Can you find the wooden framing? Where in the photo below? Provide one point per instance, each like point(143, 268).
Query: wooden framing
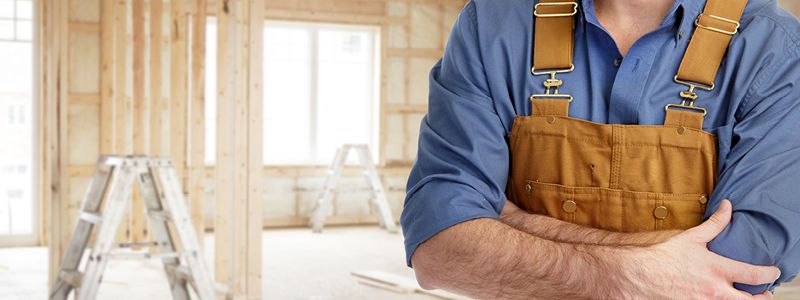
point(197, 123)
point(53, 38)
point(238, 210)
point(122, 102)
point(154, 102)
point(140, 113)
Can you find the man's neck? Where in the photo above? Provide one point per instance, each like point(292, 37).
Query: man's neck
point(628, 20)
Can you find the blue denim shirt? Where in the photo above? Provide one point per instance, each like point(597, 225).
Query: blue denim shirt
point(484, 81)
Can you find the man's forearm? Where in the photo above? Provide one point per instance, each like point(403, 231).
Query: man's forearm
point(560, 231)
point(494, 261)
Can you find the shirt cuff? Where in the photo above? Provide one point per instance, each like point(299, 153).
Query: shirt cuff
point(436, 206)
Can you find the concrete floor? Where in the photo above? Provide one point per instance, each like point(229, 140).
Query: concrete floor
point(297, 265)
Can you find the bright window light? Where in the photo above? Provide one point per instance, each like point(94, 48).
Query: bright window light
point(320, 91)
point(16, 118)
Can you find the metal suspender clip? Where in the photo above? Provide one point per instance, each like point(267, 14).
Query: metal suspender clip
point(719, 30)
point(552, 83)
point(689, 97)
point(553, 15)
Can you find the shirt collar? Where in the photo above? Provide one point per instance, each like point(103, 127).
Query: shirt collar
point(683, 13)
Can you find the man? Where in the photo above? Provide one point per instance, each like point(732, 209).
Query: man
point(463, 235)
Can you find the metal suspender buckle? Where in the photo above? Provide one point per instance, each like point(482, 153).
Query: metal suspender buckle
point(689, 97)
point(552, 83)
point(553, 15)
point(715, 29)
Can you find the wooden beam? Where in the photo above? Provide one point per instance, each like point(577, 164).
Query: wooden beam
point(178, 87)
point(197, 146)
point(122, 103)
point(255, 165)
point(238, 219)
point(54, 60)
point(84, 26)
point(107, 90)
point(158, 104)
point(84, 99)
point(140, 112)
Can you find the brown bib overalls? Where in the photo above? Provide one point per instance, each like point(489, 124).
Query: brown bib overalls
point(625, 178)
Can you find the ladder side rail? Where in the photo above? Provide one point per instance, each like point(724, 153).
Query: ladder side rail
point(379, 196)
point(161, 234)
point(83, 229)
point(176, 204)
point(120, 191)
point(322, 208)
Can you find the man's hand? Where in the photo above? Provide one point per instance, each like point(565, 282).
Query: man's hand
point(683, 266)
point(487, 259)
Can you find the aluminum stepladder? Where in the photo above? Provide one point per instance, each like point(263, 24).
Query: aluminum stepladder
point(378, 201)
point(110, 189)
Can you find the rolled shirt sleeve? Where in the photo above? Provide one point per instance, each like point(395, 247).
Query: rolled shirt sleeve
point(760, 171)
point(461, 168)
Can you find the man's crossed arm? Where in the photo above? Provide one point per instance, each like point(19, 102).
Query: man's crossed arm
point(487, 259)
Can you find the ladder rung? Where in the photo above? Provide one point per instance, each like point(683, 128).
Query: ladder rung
point(161, 215)
point(143, 255)
point(91, 217)
point(72, 278)
point(131, 245)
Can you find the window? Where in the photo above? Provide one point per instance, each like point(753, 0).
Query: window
point(320, 90)
point(16, 127)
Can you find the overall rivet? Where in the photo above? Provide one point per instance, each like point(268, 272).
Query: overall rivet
point(569, 206)
point(703, 200)
point(528, 187)
point(681, 130)
point(551, 119)
point(661, 212)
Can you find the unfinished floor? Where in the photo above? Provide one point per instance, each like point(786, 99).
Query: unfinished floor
point(297, 265)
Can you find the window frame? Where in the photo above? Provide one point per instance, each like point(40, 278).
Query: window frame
point(35, 237)
point(16, 19)
point(314, 29)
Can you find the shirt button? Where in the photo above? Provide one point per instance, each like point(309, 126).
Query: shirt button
point(660, 212)
point(618, 62)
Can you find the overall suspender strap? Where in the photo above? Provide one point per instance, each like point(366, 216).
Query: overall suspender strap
point(554, 34)
point(714, 30)
point(552, 53)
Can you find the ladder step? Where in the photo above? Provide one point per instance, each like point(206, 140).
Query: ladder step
point(160, 215)
point(91, 217)
point(144, 255)
point(72, 278)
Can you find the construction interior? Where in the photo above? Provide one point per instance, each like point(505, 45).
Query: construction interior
point(250, 100)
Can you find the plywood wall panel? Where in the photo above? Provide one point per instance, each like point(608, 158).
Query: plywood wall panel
point(84, 10)
point(412, 135)
point(425, 26)
point(84, 63)
point(84, 132)
point(418, 69)
point(395, 80)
